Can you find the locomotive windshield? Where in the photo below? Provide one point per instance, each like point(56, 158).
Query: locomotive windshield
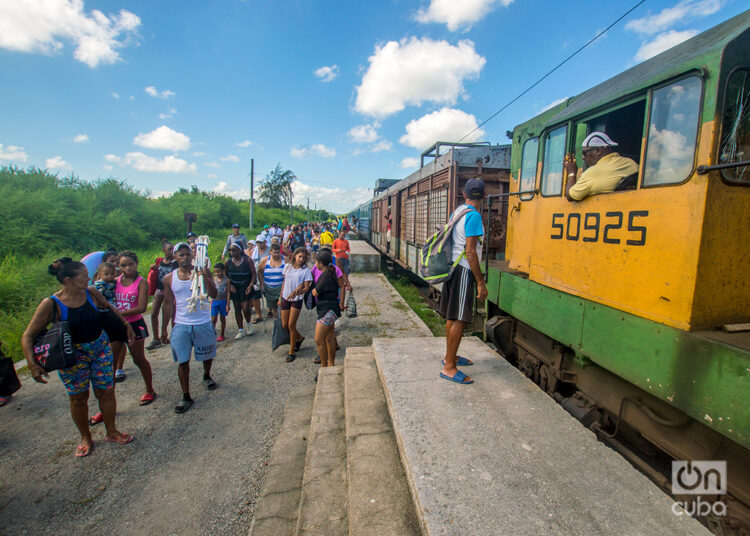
point(735, 141)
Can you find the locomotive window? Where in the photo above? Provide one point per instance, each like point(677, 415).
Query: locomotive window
point(672, 132)
point(735, 129)
point(554, 152)
point(528, 167)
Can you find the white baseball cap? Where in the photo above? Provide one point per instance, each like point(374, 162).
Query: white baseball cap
point(598, 139)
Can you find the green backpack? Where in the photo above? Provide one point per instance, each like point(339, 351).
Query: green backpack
point(435, 264)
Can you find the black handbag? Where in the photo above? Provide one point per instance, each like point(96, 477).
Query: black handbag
point(280, 336)
point(53, 347)
point(9, 382)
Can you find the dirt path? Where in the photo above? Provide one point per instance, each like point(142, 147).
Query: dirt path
point(197, 473)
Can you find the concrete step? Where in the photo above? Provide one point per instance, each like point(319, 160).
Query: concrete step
point(501, 457)
point(363, 257)
point(278, 505)
point(323, 501)
point(380, 502)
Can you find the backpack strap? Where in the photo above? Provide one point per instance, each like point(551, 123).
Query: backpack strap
point(63, 309)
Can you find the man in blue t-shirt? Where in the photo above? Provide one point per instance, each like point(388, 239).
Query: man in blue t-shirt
point(457, 296)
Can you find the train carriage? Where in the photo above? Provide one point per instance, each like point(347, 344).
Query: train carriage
point(623, 305)
point(418, 205)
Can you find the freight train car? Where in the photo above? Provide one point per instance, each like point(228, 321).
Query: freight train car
point(405, 215)
point(631, 308)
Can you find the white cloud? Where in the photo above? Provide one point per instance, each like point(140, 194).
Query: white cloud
point(553, 104)
point(317, 149)
point(364, 133)
point(382, 145)
point(410, 162)
point(327, 73)
point(198, 153)
point(56, 162)
point(662, 42)
point(456, 15)
point(229, 158)
point(670, 16)
point(81, 138)
point(334, 199)
point(107, 167)
point(13, 153)
point(163, 138)
point(446, 124)
point(212, 176)
point(44, 26)
point(165, 94)
point(115, 95)
point(168, 114)
point(143, 162)
point(246, 143)
point(223, 188)
point(212, 164)
point(413, 71)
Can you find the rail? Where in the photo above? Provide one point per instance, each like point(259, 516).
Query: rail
point(702, 170)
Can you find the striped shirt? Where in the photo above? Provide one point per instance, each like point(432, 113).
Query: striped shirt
point(273, 277)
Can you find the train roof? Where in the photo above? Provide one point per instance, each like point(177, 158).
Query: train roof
point(690, 54)
point(492, 156)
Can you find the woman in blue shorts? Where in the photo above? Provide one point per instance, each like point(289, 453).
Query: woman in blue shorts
point(80, 305)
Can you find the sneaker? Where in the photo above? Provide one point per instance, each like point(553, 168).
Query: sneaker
point(220, 338)
point(249, 330)
point(154, 344)
point(120, 375)
point(240, 334)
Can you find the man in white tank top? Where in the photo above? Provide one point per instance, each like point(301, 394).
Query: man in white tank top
point(192, 331)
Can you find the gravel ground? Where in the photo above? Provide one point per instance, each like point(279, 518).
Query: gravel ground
point(197, 473)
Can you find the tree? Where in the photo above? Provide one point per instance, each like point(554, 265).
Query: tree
point(276, 189)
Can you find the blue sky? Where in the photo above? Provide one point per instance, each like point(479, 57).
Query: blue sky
point(174, 93)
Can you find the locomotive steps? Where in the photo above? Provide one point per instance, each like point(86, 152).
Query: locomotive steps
point(416, 454)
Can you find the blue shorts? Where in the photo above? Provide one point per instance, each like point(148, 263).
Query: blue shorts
point(200, 338)
point(343, 265)
point(219, 307)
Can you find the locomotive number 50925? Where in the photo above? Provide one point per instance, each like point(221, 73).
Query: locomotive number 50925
point(591, 226)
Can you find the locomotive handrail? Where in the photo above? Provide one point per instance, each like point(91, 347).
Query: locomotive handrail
point(511, 193)
point(702, 170)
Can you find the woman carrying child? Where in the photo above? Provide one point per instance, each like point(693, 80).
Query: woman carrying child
point(93, 366)
point(297, 279)
point(132, 302)
point(330, 293)
point(220, 304)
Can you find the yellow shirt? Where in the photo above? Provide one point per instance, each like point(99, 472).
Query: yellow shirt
point(603, 176)
point(326, 239)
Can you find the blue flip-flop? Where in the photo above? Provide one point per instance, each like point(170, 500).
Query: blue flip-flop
point(458, 378)
point(462, 362)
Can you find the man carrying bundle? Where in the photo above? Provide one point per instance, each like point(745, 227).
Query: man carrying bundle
point(192, 329)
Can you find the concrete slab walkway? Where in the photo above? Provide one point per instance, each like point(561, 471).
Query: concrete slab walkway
point(501, 457)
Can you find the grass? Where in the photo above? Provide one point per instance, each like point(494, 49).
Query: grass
point(418, 304)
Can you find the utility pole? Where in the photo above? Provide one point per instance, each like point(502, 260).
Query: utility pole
point(252, 185)
point(291, 206)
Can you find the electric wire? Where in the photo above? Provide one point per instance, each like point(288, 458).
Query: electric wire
point(540, 80)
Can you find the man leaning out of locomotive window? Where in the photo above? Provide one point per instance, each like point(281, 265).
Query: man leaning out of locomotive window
point(457, 296)
point(604, 168)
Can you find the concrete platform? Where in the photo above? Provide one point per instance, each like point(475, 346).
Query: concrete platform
point(501, 457)
point(363, 257)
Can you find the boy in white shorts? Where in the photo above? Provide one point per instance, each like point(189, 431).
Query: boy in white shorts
point(192, 331)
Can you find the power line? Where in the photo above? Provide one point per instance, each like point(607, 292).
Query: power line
point(532, 86)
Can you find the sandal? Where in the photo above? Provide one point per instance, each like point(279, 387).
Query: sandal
point(256, 320)
point(84, 450)
point(183, 406)
point(124, 439)
point(317, 361)
point(291, 357)
point(461, 362)
point(298, 344)
point(459, 377)
point(147, 398)
point(4, 400)
point(96, 418)
point(209, 383)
